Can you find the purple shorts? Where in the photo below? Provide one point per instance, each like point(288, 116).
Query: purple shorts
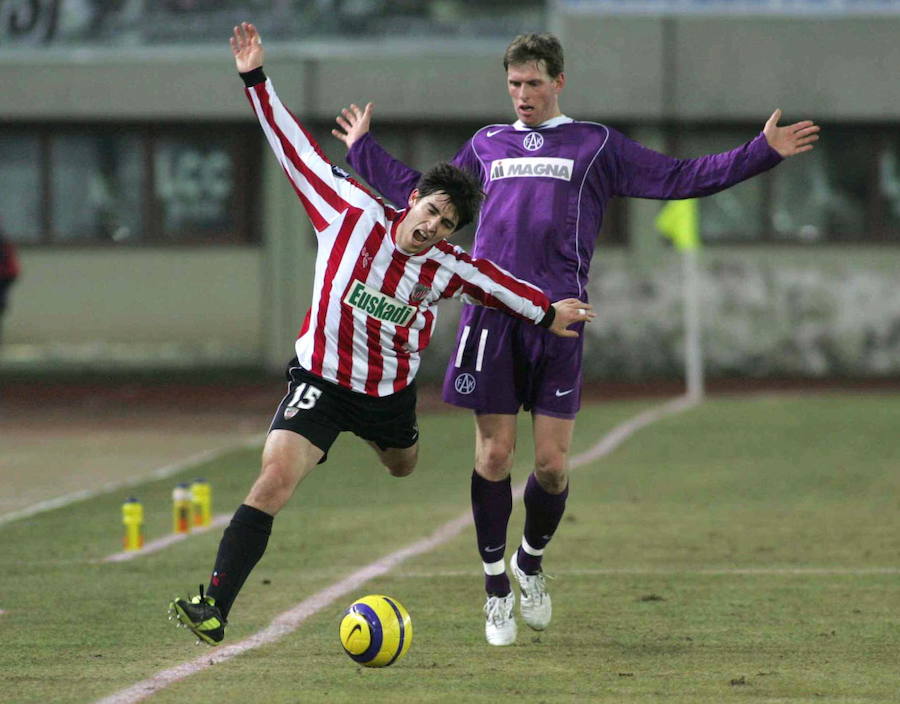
point(501, 364)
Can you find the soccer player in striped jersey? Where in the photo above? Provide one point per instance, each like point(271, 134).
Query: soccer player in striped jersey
point(379, 274)
point(547, 180)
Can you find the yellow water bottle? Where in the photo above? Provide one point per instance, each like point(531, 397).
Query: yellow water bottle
point(133, 518)
point(181, 509)
point(201, 501)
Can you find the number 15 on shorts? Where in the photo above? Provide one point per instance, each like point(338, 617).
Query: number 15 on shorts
point(304, 397)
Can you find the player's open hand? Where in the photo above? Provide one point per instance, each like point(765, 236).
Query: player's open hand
point(354, 123)
point(568, 312)
point(790, 139)
point(246, 45)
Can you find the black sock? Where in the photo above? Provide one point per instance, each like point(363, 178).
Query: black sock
point(242, 545)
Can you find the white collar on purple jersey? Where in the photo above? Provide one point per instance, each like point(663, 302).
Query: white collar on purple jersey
point(552, 122)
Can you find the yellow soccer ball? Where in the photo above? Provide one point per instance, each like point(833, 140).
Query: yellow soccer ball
point(376, 630)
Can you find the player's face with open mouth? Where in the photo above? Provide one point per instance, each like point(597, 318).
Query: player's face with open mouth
point(431, 218)
point(535, 95)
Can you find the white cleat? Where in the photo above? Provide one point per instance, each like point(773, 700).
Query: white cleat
point(500, 624)
point(534, 601)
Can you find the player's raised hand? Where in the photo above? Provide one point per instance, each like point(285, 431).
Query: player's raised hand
point(790, 139)
point(246, 45)
point(354, 123)
point(568, 312)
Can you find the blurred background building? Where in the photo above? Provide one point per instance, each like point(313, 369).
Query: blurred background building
point(154, 229)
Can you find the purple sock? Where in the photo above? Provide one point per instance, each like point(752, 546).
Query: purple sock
point(543, 512)
point(491, 509)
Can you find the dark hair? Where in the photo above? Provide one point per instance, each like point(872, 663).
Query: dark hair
point(536, 47)
point(463, 190)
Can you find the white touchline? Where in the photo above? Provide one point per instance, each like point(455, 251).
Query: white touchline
point(290, 620)
point(161, 473)
point(678, 571)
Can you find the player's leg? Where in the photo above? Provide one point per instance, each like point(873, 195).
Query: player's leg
point(491, 490)
point(545, 497)
point(390, 427)
point(483, 374)
point(547, 488)
point(300, 435)
point(491, 493)
point(399, 462)
point(555, 397)
point(287, 459)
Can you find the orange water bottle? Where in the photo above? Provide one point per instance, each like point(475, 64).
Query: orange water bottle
point(133, 518)
point(181, 509)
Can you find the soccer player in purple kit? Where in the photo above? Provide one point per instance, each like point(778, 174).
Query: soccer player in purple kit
point(547, 179)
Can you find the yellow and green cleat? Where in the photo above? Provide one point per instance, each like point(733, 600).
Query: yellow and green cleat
point(201, 616)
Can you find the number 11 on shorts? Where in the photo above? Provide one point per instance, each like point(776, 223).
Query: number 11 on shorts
point(462, 347)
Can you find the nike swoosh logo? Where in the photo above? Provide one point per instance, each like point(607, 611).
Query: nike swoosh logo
point(491, 133)
point(564, 393)
point(353, 630)
point(499, 547)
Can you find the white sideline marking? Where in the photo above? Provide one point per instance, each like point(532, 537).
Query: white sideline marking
point(161, 473)
point(706, 571)
point(166, 541)
point(290, 620)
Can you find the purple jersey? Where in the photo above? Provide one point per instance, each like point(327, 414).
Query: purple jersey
point(547, 189)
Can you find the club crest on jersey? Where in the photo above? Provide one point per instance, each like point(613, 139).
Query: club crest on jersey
point(418, 294)
point(526, 166)
point(377, 304)
point(533, 141)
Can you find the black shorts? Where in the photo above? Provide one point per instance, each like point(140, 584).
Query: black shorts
point(319, 410)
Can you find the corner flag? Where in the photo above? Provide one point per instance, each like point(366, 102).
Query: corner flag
point(679, 220)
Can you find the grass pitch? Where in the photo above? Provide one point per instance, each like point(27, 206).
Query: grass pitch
point(743, 551)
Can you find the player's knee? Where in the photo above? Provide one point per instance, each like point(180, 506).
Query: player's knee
point(494, 462)
point(274, 487)
point(401, 469)
point(552, 474)
point(403, 465)
point(279, 476)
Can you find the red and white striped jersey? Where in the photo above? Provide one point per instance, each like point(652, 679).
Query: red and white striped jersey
point(373, 307)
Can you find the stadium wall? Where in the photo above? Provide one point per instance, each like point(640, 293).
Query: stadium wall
point(242, 304)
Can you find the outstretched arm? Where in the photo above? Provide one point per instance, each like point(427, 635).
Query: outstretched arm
point(246, 45)
point(483, 282)
point(640, 172)
point(354, 123)
point(387, 175)
point(790, 139)
point(325, 191)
